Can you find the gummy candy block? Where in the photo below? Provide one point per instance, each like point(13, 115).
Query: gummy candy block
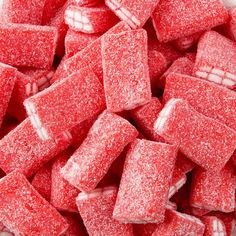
point(96, 211)
point(91, 55)
point(134, 13)
point(125, 66)
point(173, 20)
point(205, 141)
point(24, 12)
point(94, 19)
point(105, 141)
point(207, 98)
point(24, 151)
point(145, 117)
point(7, 82)
point(24, 211)
point(145, 182)
point(182, 66)
point(66, 104)
point(27, 45)
point(76, 41)
point(42, 181)
point(212, 63)
point(179, 224)
point(213, 190)
point(213, 226)
point(63, 194)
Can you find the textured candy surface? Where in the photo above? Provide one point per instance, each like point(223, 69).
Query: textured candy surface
point(87, 2)
point(105, 141)
point(145, 182)
point(66, 104)
point(125, 66)
point(96, 211)
point(205, 141)
point(24, 211)
point(175, 19)
point(27, 45)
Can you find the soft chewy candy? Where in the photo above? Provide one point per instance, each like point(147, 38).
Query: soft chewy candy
point(66, 104)
point(125, 66)
point(176, 19)
point(24, 211)
point(105, 141)
point(145, 182)
point(96, 211)
point(27, 45)
point(205, 141)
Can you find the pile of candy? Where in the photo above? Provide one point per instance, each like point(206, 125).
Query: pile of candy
point(118, 117)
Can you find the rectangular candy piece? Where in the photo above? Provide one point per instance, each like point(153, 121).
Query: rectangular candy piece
point(24, 151)
point(7, 82)
point(66, 104)
point(24, 211)
point(207, 98)
point(180, 224)
point(27, 45)
point(145, 182)
point(213, 190)
point(145, 117)
point(205, 141)
point(135, 13)
point(63, 194)
point(24, 12)
point(173, 20)
point(125, 66)
point(96, 210)
point(212, 61)
point(105, 141)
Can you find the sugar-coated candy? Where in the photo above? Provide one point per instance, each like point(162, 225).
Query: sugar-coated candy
point(205, 141)
point(87, 2)
point(213, 226)
point(105, 141)
point(24, 151)
point(27, 45)
point(180, 224)
point(145, 117)
point(229, 3)
point(145, 182)
point(221, 183)
point(207, 98)
point(125, 66)
point(24, 211)
point(134, 13)
point(66, 104)
point(63, 194)
point(94, 19)
point(96, 210)
point(176, 19)
point(213, 63)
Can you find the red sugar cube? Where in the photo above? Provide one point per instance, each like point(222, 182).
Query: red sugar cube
point(214, 190)
point(125, 66)
point(179, 224)
point(134, 13)
point(205, 141)
point(27, 45)
point(213, 226)
point(105, 141)
point(176, 19)
point(66, 104)
point(90, 19)
point(63, 194)
point(207, 98)
point(212, 61)
point(24, 151)
point(145, 182)
point(96, 211)
point(24, 211)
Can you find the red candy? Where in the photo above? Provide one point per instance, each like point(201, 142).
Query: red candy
point(24, 211)
point(213, 226)
point(126, 78)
